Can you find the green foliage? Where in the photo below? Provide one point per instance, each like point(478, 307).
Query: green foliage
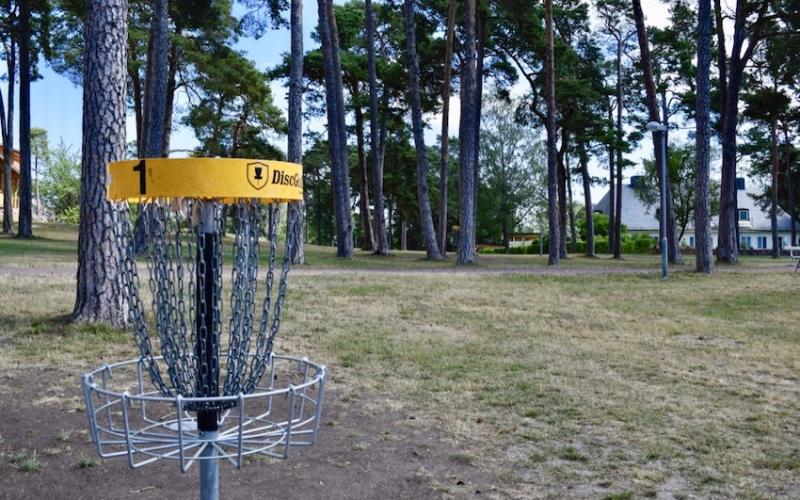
point(631, 244)
point(513, 173)
point(235, 114)
point(601, 224)
point(60, 186)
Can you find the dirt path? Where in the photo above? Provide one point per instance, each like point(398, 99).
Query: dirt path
point(359, 455)
point(779, 267)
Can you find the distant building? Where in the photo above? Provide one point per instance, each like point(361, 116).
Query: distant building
point(14, 178)
point(755, 229)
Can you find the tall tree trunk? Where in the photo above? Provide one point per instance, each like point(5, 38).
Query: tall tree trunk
point(25, 227)
point(773, 212)
point(651, 98)
point(587, 198)
point(295, 135)
point(137, 95)
point(99, 294)
point(618, 209)
point(562, 195)
point(337, 140)
point(363, 179)
point(790, 186)
point(170, 101)
point(612, 186)
point(570, 208)
point(728, 240)
point(616, 241)
point(403, 232)
point(158, 65)
point(467, 158)
point(702, 212)
point(444, 160)
point(550, 123)
point(390, 222)
point(480, 36)
point(8, 141)
point(423, 200)
point(381, 240)
point(155, 101)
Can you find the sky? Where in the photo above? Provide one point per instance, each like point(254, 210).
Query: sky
point(56, 103)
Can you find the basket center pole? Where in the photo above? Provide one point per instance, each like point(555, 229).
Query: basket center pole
point(207, 347)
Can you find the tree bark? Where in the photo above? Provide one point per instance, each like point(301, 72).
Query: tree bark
point(170, 101)
point(480, 40)
point(403, 233)
point(618, 209)
point(467, 158)
point(570, 209)
point(612, 187)
point(158, 64)
point(550, 123)
point(728, 241)
point(790, 186)
point(8, 141)
point(616, 241)
point(702, 212)
point(25, 227)
point(773, 212)
point(587, 199)
point(653, 110)
point(617, 228)
point(295, 132)
point(381, 240)
point(363, 178)
point(444, 159)
point(562, 195)
point(337, 140)
point(99, 294)
point(423, 200)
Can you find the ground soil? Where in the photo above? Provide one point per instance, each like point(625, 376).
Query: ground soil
point(358, 455)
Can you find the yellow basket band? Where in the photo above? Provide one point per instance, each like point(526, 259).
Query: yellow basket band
point(205, 178)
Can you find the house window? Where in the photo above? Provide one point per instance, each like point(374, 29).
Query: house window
point(746, 242)
point(761, 242)
point(744, 214)
point(691, 241)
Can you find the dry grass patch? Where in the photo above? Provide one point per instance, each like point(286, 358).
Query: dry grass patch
point(611, 386)
point(642, 379)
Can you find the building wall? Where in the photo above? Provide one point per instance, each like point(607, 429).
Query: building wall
point(750, 240)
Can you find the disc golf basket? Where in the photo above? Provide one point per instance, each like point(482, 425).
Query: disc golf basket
point(206, 385)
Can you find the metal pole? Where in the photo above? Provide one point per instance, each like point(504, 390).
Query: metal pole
point(209, 468)
point(663, 166)
point(207, 350)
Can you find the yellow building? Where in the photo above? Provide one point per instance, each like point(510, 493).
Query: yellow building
point(14, 177)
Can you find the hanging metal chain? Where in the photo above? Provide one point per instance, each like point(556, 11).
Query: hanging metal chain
point(184, 264)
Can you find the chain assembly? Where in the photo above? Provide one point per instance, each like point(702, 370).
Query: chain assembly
point(205, 350)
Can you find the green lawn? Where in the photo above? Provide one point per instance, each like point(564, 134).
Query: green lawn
point(561, 386)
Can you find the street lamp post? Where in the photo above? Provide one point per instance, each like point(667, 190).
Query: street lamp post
point(661, 129)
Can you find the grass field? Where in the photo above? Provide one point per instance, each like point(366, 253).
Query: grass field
point(604, 385)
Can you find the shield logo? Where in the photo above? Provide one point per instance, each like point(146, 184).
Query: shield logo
point(257, 174)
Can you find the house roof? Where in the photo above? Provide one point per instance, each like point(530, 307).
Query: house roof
point(14, 159)
point(637, 216)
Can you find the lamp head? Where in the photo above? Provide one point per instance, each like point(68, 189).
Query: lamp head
point(655, 126)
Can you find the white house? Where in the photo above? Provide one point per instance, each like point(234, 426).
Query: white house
point(755, 230)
